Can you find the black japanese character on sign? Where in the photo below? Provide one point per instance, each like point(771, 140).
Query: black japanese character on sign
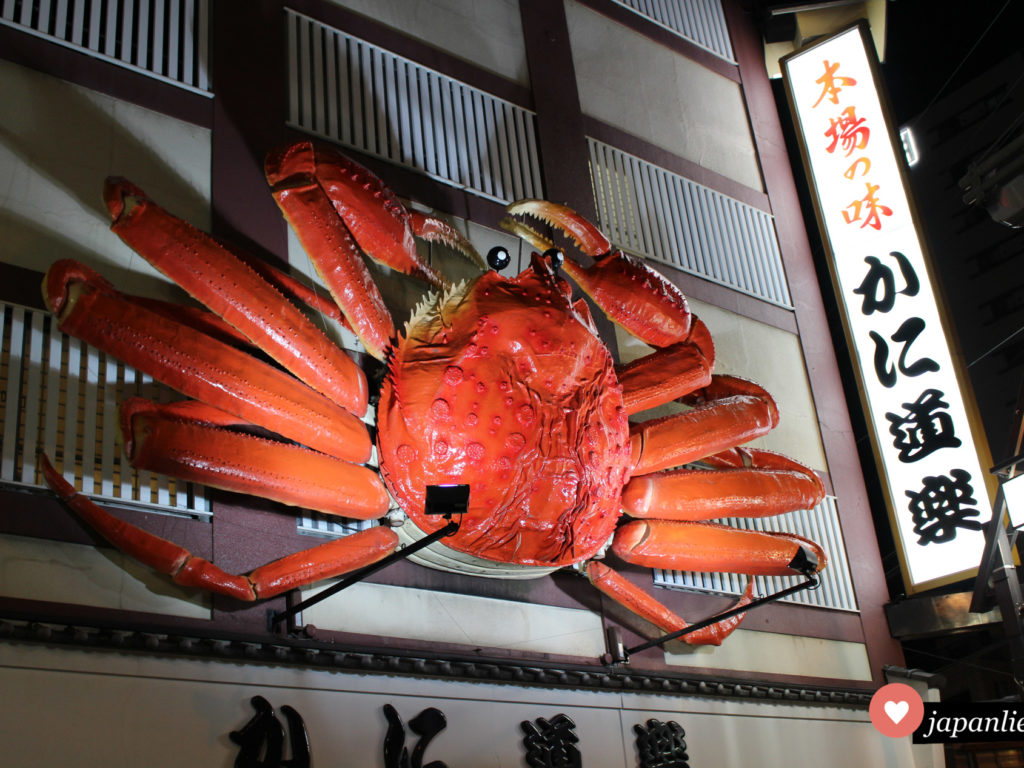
point(879, 285)
point(261, 740)
point(942, 506)
point(907, 334)
point(661, 745)
point(549, 743)
point(427, 724)
point(923, 428)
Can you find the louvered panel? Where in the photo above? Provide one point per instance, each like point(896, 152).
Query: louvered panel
point(667, 218)
point(61, 396)
point(820, 524)
point(702, 22)
point(166, 39)
point(403, 112)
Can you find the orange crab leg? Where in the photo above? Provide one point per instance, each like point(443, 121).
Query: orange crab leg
point(770, 485)
point(203, 368)
point(730, 411)
point(168, 440)
point(692, 546)
point(325, 561)
point(215, 277)
point(642, 604)
point(668, 373)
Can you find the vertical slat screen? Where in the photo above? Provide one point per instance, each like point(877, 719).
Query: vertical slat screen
point(702, 22)
point(365, 97)
point(61, 396)
point(665, 217)
point(165, 39)
point(820, 524)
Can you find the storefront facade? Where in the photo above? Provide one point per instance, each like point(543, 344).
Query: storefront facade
point(668, 138)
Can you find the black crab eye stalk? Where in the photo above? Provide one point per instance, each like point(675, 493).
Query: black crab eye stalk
point(498, 258)
point(556, 257)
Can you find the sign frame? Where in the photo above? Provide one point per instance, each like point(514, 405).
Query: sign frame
point(882, 130)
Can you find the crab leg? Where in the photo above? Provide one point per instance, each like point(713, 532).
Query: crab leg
point(188, 441)
point(668, 373)
point(729, 411)
point(769, 484)
point(202, 367)
point(327, 560)
point(692, 546)
point(627, 594)
point(217, 278)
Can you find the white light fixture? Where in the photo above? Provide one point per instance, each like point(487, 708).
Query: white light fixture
point(1013, 495)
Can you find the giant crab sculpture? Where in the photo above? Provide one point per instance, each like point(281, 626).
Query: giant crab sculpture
point(499, 383)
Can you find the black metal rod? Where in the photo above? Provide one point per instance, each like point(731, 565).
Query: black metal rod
point(361, 574)
point(811, 581)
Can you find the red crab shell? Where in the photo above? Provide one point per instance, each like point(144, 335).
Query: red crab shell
point(505, 386)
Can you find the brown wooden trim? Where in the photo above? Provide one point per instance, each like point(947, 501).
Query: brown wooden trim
point(40, 514)
point(634, 145)
point(412, 48)
point(659, 34)
point(560, 124)
point(819, 354)
point(729, 299)
point(81, 69)
point(248, 122)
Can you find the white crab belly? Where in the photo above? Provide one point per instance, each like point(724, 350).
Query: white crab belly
point(443, 558)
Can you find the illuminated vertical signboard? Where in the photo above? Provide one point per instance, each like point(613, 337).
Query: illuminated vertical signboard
point(931, 452)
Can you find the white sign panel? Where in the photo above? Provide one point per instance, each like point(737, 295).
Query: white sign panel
point(928, 455)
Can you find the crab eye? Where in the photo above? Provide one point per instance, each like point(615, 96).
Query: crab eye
point(556, 257)
point(498, 258)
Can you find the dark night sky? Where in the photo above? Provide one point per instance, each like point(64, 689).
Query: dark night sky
point(927, 40)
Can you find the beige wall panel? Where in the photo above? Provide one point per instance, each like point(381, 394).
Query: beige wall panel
point(55, 571)
point(488, 33)
point(772, 653)
point(119, 710)
point(772, 358)
point(632, 83)
point(375, 609)
point(58, 142)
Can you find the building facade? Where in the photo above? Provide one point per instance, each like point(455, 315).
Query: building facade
point(659, 125)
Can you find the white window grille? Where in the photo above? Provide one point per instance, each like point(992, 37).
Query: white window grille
point(61, 395)
point(668, 218)
point(702, 22)
point(365, 97)
point(165, 39)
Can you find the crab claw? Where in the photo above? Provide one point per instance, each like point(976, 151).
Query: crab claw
point(632, 294)
point(435, 230)
point(587, 237)
point(374, 215)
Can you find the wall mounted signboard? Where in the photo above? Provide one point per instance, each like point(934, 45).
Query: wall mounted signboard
point(928, 443)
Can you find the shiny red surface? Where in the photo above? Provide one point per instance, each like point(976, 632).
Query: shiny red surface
point(510, 391)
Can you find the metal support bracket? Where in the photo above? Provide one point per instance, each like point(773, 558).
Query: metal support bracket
point(442, 500)
point(811, 582)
